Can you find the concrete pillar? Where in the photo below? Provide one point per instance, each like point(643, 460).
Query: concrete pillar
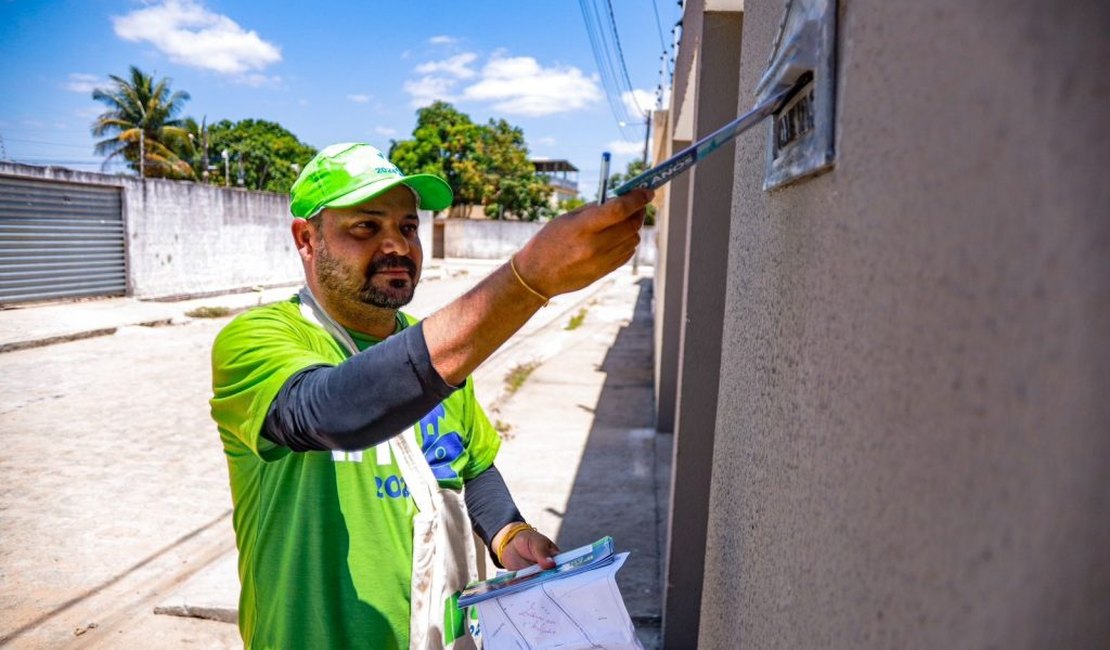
point(706, 267)
point(671, 266)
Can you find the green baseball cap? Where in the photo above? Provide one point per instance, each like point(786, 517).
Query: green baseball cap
point(346, 174)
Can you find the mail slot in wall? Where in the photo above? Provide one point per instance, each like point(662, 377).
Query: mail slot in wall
point(796, 118)
point(801, 134)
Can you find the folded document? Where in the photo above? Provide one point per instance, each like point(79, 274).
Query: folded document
point(575, 605)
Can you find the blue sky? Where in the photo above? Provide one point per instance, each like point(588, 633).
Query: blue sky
point(333, 71)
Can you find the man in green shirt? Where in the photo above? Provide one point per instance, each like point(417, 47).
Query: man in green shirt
point(348, 537)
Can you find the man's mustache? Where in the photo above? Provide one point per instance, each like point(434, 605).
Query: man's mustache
point(391, 263)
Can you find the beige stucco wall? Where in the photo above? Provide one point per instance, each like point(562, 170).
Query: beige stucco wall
point(913, 439)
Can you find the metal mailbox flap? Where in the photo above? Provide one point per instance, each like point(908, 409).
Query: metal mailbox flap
point(801, 135)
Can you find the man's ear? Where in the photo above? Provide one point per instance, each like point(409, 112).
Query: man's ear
point(303, 237)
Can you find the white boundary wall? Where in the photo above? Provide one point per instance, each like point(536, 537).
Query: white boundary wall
point(189, 239)
point(489, 239)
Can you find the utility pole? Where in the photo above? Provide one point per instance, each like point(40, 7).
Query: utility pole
point(142, 154)
point(227, 168)
point(204, 137)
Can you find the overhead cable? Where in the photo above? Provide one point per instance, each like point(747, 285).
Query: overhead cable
point(603, 57)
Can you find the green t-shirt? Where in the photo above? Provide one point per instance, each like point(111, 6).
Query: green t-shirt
point(324, 537)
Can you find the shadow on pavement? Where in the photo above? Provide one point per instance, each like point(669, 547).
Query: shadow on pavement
point(618, 487)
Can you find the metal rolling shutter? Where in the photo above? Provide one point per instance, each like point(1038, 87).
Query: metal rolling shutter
point(59, 240)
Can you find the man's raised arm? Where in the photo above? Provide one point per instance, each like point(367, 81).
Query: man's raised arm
point(571, 252)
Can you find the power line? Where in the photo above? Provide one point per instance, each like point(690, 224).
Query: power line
point(659, 26)
point(620, 56)
point(55, 144)
point(599, 47)
point(35, 160)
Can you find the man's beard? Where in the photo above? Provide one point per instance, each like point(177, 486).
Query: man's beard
point(346, 283)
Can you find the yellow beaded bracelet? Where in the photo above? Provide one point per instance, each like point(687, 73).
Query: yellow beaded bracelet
point(514, 530)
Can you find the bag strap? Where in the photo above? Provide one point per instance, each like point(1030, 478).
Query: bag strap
point(414, 467)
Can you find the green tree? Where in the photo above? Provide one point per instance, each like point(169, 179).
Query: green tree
point(443, 143)
point(268, 155)
point(193, 148)
point(566, 205)
point(483, 164)
point(143, 113)
point(511, 183)
point(634, 168)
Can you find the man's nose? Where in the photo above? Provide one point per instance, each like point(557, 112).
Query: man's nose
point(394, 241)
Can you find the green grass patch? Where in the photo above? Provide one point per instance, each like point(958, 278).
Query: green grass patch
point(576, 320)
point(503, 429)
point(208, 312)
point(516, 377)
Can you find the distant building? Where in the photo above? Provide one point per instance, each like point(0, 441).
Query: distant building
point(562, 176)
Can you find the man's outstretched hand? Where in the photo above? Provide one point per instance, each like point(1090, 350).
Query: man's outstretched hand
point(567, 254)
point(579, 247)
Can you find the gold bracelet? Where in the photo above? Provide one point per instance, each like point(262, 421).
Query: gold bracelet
point(514, 530)
point(539, 295)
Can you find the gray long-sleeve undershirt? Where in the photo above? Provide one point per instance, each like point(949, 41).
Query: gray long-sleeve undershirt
point(367, 399)
point(371, 397)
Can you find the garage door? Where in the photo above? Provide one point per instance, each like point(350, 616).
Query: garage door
point(59, 240)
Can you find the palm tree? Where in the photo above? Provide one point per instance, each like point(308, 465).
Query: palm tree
point(142, 125)
point(194, 148)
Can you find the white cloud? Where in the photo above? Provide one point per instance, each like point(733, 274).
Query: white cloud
point(426, 90)
point(626, 148)
point(386, 131)
point(191, 35)
point(255, 80)
point(80, 82)
point(456, 66)
point(359, 99)
point(638, 101)
point(442, 40)
point(546, 141)
point(521, 86)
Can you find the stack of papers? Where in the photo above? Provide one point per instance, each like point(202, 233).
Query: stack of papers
point(593, 556)
point(575, 605)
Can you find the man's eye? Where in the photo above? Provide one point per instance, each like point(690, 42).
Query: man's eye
point(409, 229)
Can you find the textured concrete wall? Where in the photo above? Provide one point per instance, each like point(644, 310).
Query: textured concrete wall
point(488, 239)
point(913, 439)
point(192, 239)
point(701, 325)
point(485, 239)
point(188, 238)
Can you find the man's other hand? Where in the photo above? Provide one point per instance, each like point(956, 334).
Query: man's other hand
point(577, 248)
point(527, 548)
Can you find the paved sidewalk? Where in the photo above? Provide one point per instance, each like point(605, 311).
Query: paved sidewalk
point(580, 453)
point(41, 324)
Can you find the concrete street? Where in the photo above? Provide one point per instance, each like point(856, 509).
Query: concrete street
point(115, 500)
